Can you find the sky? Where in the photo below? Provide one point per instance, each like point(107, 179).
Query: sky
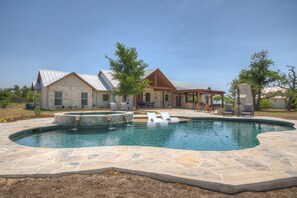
point(205, 43)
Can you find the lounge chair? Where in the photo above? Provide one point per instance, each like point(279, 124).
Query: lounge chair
point(113, 106)
point(124, 106)
point(151, 117)
point(228, 110)
point(166, 116)
point(248, 110)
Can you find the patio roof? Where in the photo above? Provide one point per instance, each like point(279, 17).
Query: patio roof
point(201, 91)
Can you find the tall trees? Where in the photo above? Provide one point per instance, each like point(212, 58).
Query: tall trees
point(289, 83)
point(128, 70)
point(258, 75)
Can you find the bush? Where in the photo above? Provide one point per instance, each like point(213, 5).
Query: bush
point(4, 103)
point(265, 104)
point(37, 110)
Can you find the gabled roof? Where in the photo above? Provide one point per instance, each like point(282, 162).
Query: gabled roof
point(149, 72)
point(49, 77)
point(35, 85)
point(182, 85)
point(114, 82)
point(109, 76)
point(94, 81)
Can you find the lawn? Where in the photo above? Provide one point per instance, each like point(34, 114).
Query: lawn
point(278, 114)
point(17, 112)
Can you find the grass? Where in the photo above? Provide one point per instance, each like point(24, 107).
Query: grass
point(278, 114)
point(17, 112)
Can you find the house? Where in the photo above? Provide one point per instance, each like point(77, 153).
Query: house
point(276, 97)
point(74, 90)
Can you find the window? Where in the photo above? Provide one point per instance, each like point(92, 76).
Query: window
point(58, 98)
point(105, 97)
point(147, 97)
point(84, 99)
point(166, 97)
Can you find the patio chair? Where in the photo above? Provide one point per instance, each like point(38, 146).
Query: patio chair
point(113, 106)
point(228, 110)
point(124, 106)
point(198, 107)
point(248, 110)
point(151, 117)
point(208, 108)
point(166, 116)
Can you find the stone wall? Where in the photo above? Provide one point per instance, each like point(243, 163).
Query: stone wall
point(98, 99)
point(71, 88)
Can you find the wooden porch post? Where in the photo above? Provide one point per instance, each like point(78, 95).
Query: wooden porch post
point(198, 98)
point(211, 99)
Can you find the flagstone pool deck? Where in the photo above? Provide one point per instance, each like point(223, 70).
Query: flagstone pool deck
point(270, 165)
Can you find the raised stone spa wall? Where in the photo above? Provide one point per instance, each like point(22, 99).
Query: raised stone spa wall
point(92, 119)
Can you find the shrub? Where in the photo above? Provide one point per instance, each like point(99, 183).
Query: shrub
point(4, 103)
point(37, 109)
point(265, 104)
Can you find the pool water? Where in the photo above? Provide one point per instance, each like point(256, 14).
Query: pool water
point(198, 135)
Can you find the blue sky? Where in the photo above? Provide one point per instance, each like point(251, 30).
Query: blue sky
point(200, 42)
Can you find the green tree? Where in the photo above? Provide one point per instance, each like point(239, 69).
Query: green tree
point(128, 70)
point(258, 75)
point(217, 98)
point(289, 83)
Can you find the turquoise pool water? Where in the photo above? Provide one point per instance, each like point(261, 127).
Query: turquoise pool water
point(198, 135)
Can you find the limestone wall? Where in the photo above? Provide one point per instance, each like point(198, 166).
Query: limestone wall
point(98, 99)
point(71, 88)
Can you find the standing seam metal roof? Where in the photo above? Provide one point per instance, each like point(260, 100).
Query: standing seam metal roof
point(48, 77)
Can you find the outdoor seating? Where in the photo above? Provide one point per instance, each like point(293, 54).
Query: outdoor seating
point(151, 116)
point(166, 116)
point(228, 110)
point(124, 106)
point(113, 106)
point(208, 108)
point(248, 110)
point(199, 107)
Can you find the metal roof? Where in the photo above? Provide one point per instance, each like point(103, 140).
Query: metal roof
point(182, 85)
point(148, 72)
point(109, 75)
point(36, 85)
point(49, 77)
point(114, 82)
point(94, 81)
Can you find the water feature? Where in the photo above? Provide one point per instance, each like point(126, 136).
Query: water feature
point(93, 118)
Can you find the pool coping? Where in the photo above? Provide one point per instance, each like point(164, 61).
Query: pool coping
point(270, 165)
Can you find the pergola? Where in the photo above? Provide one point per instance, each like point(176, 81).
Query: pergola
point(199, 92)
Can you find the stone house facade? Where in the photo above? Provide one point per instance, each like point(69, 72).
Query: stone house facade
point(72, 90)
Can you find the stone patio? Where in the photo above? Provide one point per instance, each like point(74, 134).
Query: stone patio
point(270, 165)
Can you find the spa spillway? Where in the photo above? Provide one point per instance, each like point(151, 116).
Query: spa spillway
point(93, 118)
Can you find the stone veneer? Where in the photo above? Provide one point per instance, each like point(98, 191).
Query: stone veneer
point(270, 165)
point(71, 96)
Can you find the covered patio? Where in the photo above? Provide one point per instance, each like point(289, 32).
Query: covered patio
point(186, 98)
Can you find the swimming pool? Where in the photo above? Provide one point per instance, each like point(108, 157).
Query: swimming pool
point(202, 135)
